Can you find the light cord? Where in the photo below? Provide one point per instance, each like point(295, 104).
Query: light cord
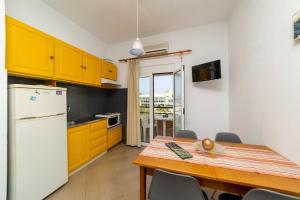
point(137, 18)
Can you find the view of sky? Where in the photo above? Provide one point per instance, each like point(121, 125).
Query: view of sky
point(162, 83)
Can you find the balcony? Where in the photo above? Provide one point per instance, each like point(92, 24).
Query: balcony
point(162, 122)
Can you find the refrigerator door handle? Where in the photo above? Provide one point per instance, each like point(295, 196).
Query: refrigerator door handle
point(29, 118)
point(58, 114)
point(26, 118)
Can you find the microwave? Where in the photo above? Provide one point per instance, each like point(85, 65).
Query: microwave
point(113, 119)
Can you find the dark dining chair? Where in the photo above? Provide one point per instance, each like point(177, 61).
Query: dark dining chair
point(228, 196)
point(171, 186)
point(262, 194)
point(233, 138)
point(186, 134)
point(228, 137)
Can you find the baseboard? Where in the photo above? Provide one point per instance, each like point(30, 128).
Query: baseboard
point(86, 164)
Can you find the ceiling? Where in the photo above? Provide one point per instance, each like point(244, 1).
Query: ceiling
point(114, 21)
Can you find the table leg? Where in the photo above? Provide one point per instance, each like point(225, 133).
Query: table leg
point(144, 134)
point(164, 128)
point(142, 183)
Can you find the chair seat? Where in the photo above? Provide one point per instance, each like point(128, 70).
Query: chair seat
point(171, 186)
point(227, 196)
point(262, 194)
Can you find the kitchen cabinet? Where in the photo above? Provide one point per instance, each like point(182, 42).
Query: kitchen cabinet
point(78, 146)
point(32, 53)
point(114, 136)
point(98, 138)
point(68, 62)
point(109, 70)
point(112, 71)
point(86, 142)
point(91, 69)
point(72, 64)
point(28, 50)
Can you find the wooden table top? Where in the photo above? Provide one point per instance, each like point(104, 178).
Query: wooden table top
point(225, 175)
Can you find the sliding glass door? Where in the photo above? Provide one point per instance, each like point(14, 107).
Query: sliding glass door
point(179, 109)
point(161, 99)
point(163, 104)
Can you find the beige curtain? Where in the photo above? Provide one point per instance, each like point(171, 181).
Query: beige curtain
point(133, 114)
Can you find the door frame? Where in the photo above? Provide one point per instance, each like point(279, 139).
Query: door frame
point(182, 69)
point(157, 66)
point(152, 97)
point(3, 106)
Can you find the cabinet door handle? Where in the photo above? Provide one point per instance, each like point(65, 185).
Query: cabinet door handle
point(110, 71)
point(81, 66)
point(51, 57)
point(85, 67)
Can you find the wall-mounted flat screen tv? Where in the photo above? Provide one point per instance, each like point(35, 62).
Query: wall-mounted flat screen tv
point(207, 71)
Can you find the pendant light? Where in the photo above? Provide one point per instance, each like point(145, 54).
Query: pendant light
point(137, 46)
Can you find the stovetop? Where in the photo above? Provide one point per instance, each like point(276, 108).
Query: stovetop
point(108, 114)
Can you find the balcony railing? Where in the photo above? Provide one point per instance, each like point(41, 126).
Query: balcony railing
point(162, 122)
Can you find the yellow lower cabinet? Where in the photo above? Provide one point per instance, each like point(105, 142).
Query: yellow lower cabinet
point(98, 138)
point(98, 150)
point(78, 146)
point(85, 143)
point(114, 136)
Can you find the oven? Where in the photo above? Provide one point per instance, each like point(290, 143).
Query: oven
point(113, 119)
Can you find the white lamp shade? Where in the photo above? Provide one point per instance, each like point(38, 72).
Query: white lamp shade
point(137, 48)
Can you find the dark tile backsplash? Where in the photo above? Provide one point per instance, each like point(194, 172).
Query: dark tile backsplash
point(20, 80)
point(86, 101)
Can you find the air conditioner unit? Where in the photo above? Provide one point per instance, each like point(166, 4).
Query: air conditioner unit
point(157, 48)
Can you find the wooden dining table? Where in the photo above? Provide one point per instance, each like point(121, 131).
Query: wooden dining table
point(225, 179)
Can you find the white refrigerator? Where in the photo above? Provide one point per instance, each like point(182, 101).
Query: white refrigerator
point(37, 141)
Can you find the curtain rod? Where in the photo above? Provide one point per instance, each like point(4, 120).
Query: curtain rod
point(156, 55)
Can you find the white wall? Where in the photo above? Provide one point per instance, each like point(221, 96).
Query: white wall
point(264, 75)
point(39, 15)
point(3, 106)
point(206, 102)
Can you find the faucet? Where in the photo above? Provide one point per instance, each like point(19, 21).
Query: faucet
point(68, 109)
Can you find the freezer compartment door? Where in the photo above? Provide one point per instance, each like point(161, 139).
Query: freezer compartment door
point(28, 102)
point(38, 157)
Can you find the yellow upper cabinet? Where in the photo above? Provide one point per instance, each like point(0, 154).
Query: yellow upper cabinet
point(28, 50)
point(68, 62)
point(104, 69)
point(109, 70)
point(91, 69)
point(113, 71)
point(32, 53)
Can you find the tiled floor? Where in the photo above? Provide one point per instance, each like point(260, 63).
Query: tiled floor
point(111, 177)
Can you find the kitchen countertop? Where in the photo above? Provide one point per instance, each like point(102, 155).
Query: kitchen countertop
point(80, 122)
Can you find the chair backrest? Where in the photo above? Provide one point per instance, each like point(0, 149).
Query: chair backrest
point(186, 134)
point(227, 137)
point(261, 194)
point(171, 186)
point(145, 121)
